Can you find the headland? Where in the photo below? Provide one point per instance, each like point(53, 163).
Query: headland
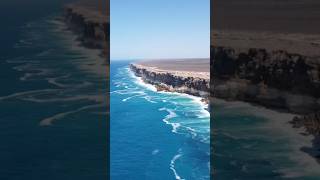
point(190, 76)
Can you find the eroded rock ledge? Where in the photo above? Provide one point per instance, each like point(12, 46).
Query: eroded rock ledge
point(91, 27)
point(193, 83)
point(276, 71)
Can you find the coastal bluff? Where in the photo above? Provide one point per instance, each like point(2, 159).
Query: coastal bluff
point(267, 53)
point(91, 25)
point(279, 71)
point(189, 76)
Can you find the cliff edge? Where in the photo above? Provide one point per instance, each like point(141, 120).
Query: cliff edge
point(279, 71)
point(91, 26)
point(195, 83)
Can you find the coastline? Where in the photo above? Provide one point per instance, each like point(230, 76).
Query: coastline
point(90, 25)
point(179, 118)
point(278, 125)
point(195, 83)
point(88, 30)
point(270, 60)
point(97, 64)
point(278, 121)
point(278, 71)
point(199, 100)
point(43, 80)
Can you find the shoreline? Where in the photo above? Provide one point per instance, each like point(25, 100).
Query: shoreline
point(204, 112)
point(279, 122)
point(193, 83)
point(91, 27)
point(153, 88)
point(175, 115)
point(87, 29)
point(304, 125)
point(272, 115)
point(275, 70)
point(97, 65)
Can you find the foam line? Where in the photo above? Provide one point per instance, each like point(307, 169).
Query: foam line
point(140, 82)
point(167, 118)
point(172, 166)
point(96, 98)
point(48, 121)
point(126, 99)
point(15, 95)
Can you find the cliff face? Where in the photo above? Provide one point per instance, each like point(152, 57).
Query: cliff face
point(92, 28)
point(311, 122)
point(276, 79)
point(166, 81)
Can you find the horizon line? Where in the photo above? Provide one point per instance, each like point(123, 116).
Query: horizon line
point(153, 59)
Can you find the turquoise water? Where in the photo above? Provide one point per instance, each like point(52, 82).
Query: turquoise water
point(156, 135)
point(52, 103)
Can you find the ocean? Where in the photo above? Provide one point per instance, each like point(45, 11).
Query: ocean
point(155, 135)
point(252, 142)
point(54, 119)
point(53, 99)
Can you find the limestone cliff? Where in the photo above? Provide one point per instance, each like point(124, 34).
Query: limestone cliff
point(273, 72)
point(174, 81)
point(92, 27)
point(278, 71)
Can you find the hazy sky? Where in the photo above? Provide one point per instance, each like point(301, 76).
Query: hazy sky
point(153, 29)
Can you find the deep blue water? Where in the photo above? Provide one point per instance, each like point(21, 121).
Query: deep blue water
point(155, 135)
point(52, 98)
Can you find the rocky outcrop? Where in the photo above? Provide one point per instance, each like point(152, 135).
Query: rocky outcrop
point(276, 79)
point(311, 125)
point(311, 122)
point(169, 81)
point(91, 26)
point(278, 71)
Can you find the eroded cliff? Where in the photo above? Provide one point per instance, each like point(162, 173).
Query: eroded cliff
point(174, 81)
point(280, 74)
point(91, 27)
point(278, 71)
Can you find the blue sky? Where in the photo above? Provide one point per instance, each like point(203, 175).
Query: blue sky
point(157, 29)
